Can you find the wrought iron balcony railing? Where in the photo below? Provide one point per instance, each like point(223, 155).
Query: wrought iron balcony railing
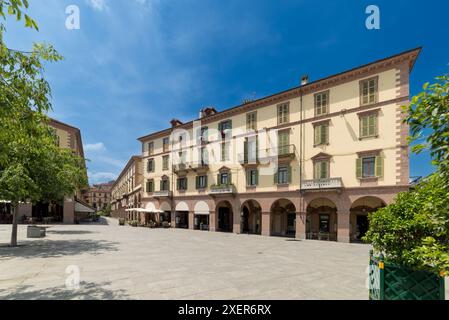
point(319, 184)
point(222, 189)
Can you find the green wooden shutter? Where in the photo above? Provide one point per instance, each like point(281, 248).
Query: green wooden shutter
point(229, 178)
point(364, 127)
point(187, 183)
point(257, 148)
point(324, 170)
point(324, 135)
point(379, 167)
point(245, 151)
point(289, 174)
point(275, 176)
point(248, 177)
point(152, 186)
point(205, 183)
point(161, 185)
point(317, 135)
point(257, 177)
point(316, 173)
point(197, 182)
point(218, 180)
point(148, 186)
point(358, 168)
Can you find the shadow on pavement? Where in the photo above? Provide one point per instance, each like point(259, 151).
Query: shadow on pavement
point(70, 232)
point(57, 248)
point(86, 291)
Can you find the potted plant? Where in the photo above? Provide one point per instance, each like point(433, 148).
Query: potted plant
point(121, 221)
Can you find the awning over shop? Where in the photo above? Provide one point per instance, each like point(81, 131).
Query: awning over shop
point(80, 207)
point(182, 206)
point(201, 208)
point(165, 207)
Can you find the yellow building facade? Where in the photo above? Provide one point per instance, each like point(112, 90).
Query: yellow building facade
point(309, 162)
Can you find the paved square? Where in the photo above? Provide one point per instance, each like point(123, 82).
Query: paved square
point(139, 263)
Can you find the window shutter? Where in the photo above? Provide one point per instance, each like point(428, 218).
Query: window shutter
point(245, 151)
point(197, 182)
point(324, 169)
point(148, 186)
point(205, 181)
point(161, 187)
point(229, 178)
point(275, 176)
point(358, 170)
point(230, 124)
point(289, 174)
point(218, 180)
point(379, 167)
point(324, 135)
point(317, 135)
point(375, 119)
point(257, 177)
point(248, 177)
point(186, 183)
point(364, 127)
point(316, 173)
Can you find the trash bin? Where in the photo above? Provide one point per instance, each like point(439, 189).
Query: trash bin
point(36, 232)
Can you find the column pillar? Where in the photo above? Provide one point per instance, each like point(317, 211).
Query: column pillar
point(191, 220)
point(69, 211)
point(173, 219)
point(212, 221)
point(266, 223)
point(236, 218)
point(343, 217)
point(301, 218)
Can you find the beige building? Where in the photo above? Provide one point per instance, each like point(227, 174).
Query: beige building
point(68, 137)
point(126, 190)
point(98, 196)
point(309, 162)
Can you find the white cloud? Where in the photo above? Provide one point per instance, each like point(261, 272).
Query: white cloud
point(99, 5)
point(99, 177)
point(95, 147)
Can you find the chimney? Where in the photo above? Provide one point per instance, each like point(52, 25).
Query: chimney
point(208, 111)
point(175, 123)
point(304, 80)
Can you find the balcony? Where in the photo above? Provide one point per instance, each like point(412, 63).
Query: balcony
point(162, 194)
point(250, 158)
point(187, 166)
point(222, 189)
point(281, 152)
point(322, 184)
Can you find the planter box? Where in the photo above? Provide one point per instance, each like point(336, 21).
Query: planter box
point(36, 232)
point(394, 282)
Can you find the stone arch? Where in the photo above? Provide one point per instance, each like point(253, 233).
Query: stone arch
point(224, 215)
point(251, 217)
point(322, 219)
point(360, 209)
point(283, 218)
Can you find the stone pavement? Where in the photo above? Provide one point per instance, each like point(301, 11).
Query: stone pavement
point(139, 263)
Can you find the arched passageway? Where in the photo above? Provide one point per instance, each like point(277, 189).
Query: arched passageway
point(359, 222)
point(322, 220)
point(283, 218)
point(224, 215)
point(251, 217)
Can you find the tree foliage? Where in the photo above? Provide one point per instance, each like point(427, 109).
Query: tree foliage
point(32, 166)
point(428, 117)
point(414, 230)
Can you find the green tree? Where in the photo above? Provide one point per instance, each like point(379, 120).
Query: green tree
point(428, 117)
point(414, 230)
point(32, 166)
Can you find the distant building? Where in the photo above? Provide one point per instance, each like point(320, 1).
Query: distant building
point(98, 196)
point(71, 208)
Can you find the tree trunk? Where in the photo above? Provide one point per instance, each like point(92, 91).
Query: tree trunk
point(14, 225)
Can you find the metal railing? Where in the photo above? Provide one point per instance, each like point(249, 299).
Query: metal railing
point(317, 184)
point(222, 189)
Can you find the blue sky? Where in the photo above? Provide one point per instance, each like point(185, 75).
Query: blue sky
point(136, 64)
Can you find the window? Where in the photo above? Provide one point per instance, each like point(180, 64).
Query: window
point(201, 182)
point(368, 125)
point(150, 186)
point(203, 134)
point(251, 150)
point(165, 144)
point(182, 184)
point(225, 151)
point(324, 223)
point(283, 113)
point(252, 177)
point(369, 167)
point(251, 121)
point(225, 128)
point(182, 157)
point(368, 91)
point(150, 148)
point(321, 169)
point(165, 184)
point(283, 175)
point(203, 157)
point(165, 160)
point(283, 142)
point(321, 134)
point(322, 103)
point(224, 178)
point(150, 165)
